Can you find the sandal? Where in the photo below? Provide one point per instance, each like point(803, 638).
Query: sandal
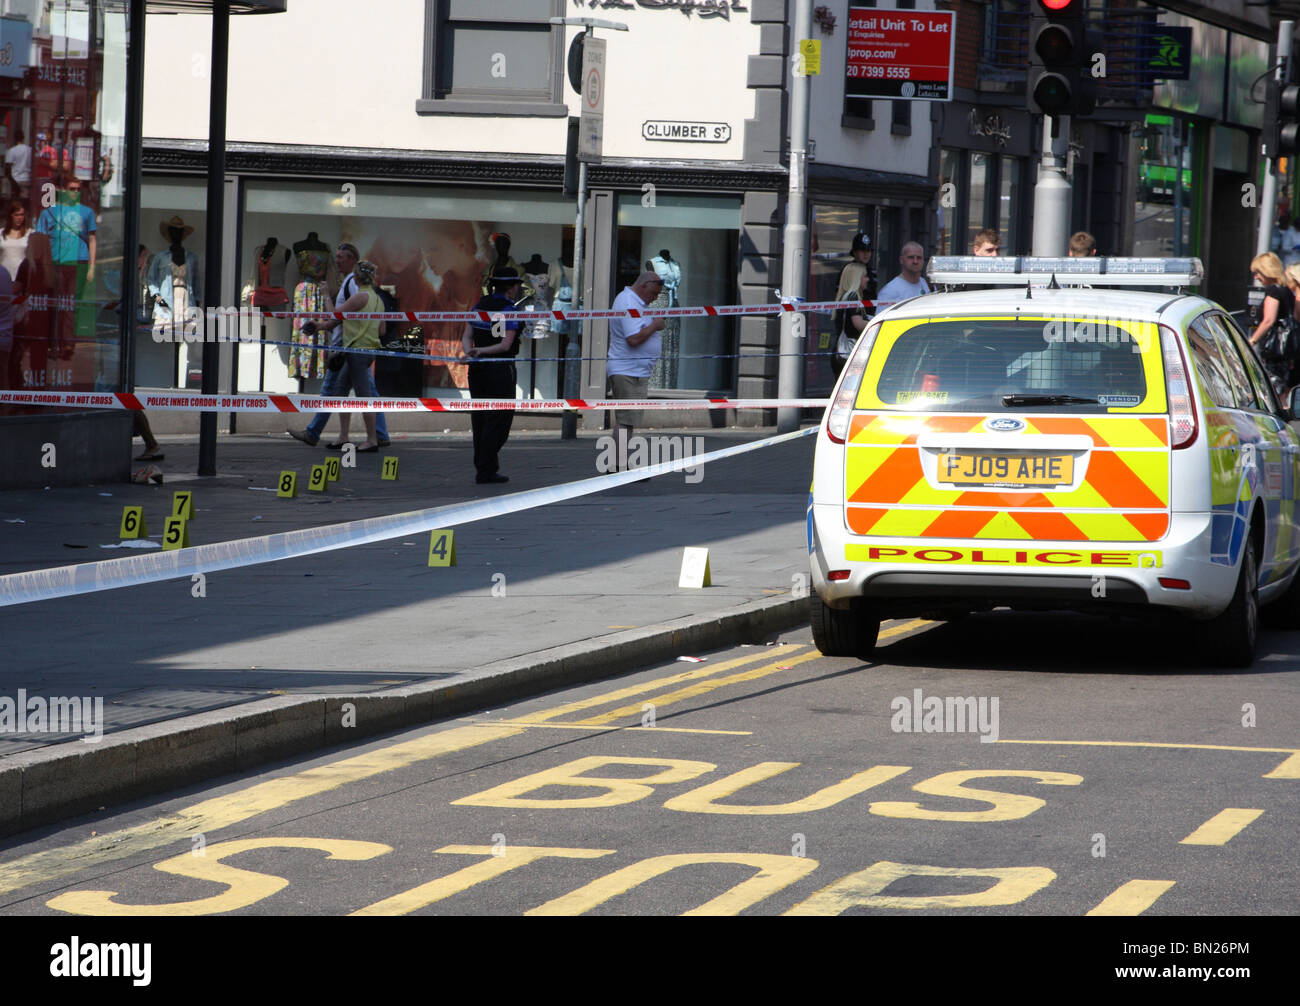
point(338, 445)
point(151, 455)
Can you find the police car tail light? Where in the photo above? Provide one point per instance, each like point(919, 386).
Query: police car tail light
point(837, 423)
point(1172, 583)
point(1182, 408)
point(838, 574)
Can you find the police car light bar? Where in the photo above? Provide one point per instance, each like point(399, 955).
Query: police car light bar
point(1017, 270)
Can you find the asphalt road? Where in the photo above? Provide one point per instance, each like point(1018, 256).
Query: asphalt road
point(1098, 774)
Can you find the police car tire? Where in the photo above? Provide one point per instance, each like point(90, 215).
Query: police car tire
point(843, 633)
point(1229, 639)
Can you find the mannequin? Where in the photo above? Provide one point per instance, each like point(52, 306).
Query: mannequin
point(266, 277)
point(501, 245)
point(537, 275)
point(560, 280)
point(174, 282)
point(670, 271)
point(316, 274)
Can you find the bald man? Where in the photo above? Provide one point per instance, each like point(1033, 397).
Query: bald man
point(634, 347)
point(909, 282)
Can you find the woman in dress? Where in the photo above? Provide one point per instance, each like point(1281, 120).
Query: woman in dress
point(13, 239)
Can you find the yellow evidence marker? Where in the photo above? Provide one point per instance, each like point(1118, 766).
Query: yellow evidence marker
point(695, 568)
point(176, 532)
point(333, 468)
point(183, 505)
point(389, 469)
point(287, 488)
point(133, 523)
point(320, 479)
point(442, 548)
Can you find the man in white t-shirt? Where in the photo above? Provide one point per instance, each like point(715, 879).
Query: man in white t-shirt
point(908, 283)
point(18, 166)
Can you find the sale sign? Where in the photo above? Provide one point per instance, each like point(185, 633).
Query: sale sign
point(900, 54)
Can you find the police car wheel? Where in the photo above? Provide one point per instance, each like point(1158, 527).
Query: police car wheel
point(1229, 639)
point(848, 633)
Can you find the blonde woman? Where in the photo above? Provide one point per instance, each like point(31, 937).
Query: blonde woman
point(1279, 302)
point(361, 335)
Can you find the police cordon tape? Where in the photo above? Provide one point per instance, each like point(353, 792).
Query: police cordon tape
point(196, 401)
point(153, 567)
point(786, 305)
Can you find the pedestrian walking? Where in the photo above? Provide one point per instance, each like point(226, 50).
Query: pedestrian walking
point(634, 346)
point(491, 347)
point(345, 258)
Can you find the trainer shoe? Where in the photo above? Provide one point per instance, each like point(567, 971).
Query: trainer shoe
point(304, 436)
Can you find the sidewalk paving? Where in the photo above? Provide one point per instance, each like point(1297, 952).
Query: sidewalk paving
point(258, 666)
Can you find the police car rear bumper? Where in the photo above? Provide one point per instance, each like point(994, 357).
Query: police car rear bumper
point(915, 575)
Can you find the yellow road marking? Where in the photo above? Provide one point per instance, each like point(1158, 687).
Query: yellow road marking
point(1221, 827)
point(584, 726)
point(1132, 898)
point(220, 812)
point(621, 693)
point(1289, 769)
point(223, 811)
point(712, 683)
point(700, 688)
point(498, 861)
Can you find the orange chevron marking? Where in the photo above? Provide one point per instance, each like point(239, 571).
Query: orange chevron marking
point(1151, 526)
point(958, 524)
point(1118, 484)
point(895, 476)
point(1049, 526)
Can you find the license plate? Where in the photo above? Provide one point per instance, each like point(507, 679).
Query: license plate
point(958, 468)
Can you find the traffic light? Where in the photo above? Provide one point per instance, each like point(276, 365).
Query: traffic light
point(1281, 134)
point(1060, 59)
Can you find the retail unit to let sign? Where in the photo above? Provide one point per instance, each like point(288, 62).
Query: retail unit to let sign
point(591, 130)
point(900, 54)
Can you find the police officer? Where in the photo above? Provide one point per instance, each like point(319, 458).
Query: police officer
point(857, 282)
point(492, 371)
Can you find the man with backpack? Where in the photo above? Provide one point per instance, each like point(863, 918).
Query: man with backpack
point(857, 282)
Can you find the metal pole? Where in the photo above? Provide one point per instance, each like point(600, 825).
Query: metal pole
point(1052, 193)
point(216, 202)
point(132, 180)
point(1267, 199)
point(573, 351)
point(794, 251)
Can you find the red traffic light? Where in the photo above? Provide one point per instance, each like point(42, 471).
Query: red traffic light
point(1056, 6)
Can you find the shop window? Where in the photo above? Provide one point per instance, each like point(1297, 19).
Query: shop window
point(701, 235)
point(63, 78)
point(493, 57)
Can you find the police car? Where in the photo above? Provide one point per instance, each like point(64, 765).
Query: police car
point(1053, 442)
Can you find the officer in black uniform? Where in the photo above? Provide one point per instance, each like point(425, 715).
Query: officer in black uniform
point(489, 378)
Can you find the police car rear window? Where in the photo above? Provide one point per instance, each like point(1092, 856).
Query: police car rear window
point(1013, 364)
